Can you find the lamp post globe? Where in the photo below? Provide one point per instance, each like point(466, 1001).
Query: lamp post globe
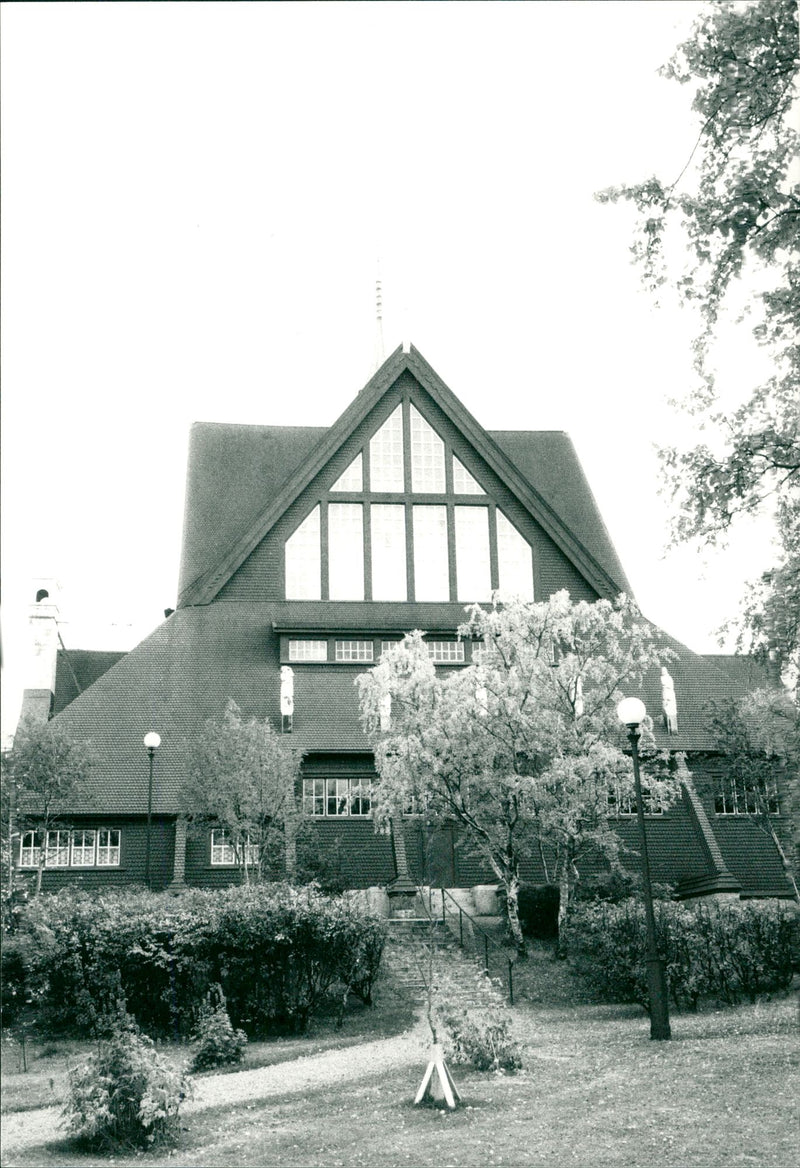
point(632, 712)
point(152, 741)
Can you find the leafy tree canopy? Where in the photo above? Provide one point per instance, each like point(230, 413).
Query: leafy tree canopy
point(523, 748)
point(242, 778)
point(736, 209)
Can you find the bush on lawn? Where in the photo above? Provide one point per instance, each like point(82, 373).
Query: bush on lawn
point(479, 1030)
point(726, 952)
point(125, 1094)
point(219, 1045)
point(276, 951)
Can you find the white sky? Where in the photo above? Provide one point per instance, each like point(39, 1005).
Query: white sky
point(194, 199)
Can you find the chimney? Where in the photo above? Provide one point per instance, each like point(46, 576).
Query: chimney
point(40, 680)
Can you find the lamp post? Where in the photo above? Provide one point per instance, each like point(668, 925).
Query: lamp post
point(152, 741)
point(631, 712)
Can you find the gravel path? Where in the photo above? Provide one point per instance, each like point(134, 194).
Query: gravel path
point(28, 1128)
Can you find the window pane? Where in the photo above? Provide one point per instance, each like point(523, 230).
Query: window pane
point(388, 551)
point(314, 796)
point(386, 455)
point(463, 482)
point(359, 797)
point(514, 560)
point(427, 456)
point(303, 560)
point(108, 844)
point(473, 570)
point(354, 650)
point(83, 849)
point(431, 571)
point(308, 650)
point(346, 551)
point(338, 796)
point(445, 650)
point(29, 853)
point(352, 479)
point(57, 851)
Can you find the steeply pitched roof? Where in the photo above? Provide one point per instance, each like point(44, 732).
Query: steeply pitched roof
point(242, 478)
point(76, 670)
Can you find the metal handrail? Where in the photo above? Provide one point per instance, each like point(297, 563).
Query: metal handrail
point(487, 940)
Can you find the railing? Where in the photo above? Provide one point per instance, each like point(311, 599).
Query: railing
point(476, 929)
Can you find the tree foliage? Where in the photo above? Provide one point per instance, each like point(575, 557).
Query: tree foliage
point(521, 748)
point(759, 737)
point(736, 208)
point(45, 775)
point(242, 779)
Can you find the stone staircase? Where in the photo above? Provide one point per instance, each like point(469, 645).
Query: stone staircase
point(421, 949)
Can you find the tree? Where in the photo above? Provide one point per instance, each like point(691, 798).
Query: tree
point(45, 775)
point(736, 208)
point(242, 780)
point(522, 748)
point(759, 737)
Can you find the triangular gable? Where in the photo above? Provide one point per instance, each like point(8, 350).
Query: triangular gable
point(204, 588)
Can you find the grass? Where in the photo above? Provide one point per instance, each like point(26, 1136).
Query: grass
point(595, 1091)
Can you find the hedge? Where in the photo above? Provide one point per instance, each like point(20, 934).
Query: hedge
point(278, 953)
point(727, 952)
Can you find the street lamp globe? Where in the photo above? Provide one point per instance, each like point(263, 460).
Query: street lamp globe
point(152, 740)
point(631, 711)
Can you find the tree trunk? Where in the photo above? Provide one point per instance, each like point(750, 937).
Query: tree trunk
point(563, 906)
point(512, 915)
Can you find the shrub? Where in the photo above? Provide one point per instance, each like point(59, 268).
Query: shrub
point(725, 952)
point(125, 1094)
point(219, 1044)
point(478, 1027)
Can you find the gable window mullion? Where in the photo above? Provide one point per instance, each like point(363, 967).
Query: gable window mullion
point(323, 541)
point(494, 568)
point(451, 550)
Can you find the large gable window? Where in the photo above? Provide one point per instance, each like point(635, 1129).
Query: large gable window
point(431, 571)
point(386, 455)
point(346, 551)
point(428, 542)
point(303, 560)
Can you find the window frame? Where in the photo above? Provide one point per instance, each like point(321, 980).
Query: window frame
point(251, 858)
point(337, 796)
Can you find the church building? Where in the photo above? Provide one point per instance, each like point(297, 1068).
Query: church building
point(306, 551)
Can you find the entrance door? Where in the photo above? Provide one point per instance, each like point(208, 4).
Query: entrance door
point(438, 858)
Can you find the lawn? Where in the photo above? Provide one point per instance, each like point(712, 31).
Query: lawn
point(595, 1091)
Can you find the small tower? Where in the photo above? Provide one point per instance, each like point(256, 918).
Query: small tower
point(40, 672)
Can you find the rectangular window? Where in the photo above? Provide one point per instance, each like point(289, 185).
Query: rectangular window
point(386, 645)
point(473, 571)
point(734, 797)
point(308, 650)
point(108, 847)
point(514, 560)
point(28, 852)
point(303, 560)
point(427, 456)
point(431, 567)
point(346, 551)
point(223, 852)
point(56, 853)
point(354, 651)
point(386, 455)
point(445, 652)
point(336, 797)
point(83, 849)
point(388, 551)
point(622, 801)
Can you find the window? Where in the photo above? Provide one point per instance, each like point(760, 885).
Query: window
point(108, 847)
point(386, 455)
point(56, 854)
point(463, 482)
point(445, 652)
point(514, 560)
point(336, 797)
point(308, 650)
point(622, 801)
point(83, 849)
point(427, 456)
point(223, 852)
point(28, 852)
point(473, 570)
point(346, 551)
point(354, 651)
point(386, 645)
point(303, 560)
point(431, 569)
point(388, 551)
point(352, 479)
point(734, 796)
